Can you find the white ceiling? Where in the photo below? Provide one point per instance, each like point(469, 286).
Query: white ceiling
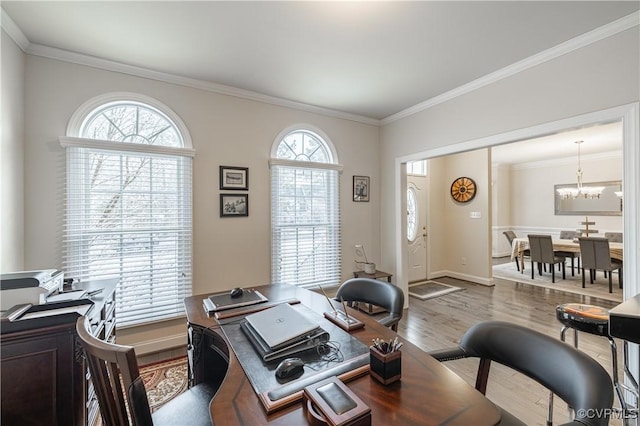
point(368, 58)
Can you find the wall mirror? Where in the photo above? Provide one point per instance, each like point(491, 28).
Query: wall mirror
point(609, 204)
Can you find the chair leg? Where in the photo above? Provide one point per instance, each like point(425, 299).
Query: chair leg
point(553, 273)
point(532, 269)
point(517, 265)
point(564, 272)
point(582, 277)
point(610, 285)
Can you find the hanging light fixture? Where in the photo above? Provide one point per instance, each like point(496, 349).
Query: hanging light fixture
point(580, 191)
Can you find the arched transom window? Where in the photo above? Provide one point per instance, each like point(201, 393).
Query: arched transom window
point(305, 210)
point(129, 207)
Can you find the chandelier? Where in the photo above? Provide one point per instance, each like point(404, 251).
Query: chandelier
point(580, 191)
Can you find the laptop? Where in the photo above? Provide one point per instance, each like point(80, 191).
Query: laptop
point(281, 325)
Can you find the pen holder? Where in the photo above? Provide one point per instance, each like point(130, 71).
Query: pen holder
point(385, 367)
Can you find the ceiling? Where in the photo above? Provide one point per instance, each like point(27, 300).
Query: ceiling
point(371, 59)
point(596, 140)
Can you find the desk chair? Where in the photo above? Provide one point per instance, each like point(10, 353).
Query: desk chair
point(597, 257)
point(510, 237)
point(119, 387)
point(541, 247)
point(376, 292)
point(572, 375)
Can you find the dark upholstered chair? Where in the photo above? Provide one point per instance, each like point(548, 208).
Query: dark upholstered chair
point(569, 235)
point(510, 237)
point(118, 385)
point(613, 237)
point(376, 292)
point(597, 257)
point(575, 377)
point(541, 247)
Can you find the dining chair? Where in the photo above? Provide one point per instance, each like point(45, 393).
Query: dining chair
point(376, 292)
point(570, 235)
point(574, 376)
point(613, 237)
point(596, 256)
point(121, 393)
point(510, 237)
point(541, 247)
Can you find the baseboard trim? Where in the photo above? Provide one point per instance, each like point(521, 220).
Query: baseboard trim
point(158, 345)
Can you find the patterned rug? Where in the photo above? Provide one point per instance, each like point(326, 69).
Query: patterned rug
point(164, 380)
point(430, 289)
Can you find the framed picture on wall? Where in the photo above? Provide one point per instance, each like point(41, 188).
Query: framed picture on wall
point(235, 178)
point(361, 188)
point(233, 205)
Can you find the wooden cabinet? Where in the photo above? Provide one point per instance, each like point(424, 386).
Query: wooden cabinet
point(44, 379)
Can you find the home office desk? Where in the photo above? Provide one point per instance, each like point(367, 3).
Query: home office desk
point(429, 393)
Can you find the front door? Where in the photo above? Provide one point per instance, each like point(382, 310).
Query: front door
point(416, 227)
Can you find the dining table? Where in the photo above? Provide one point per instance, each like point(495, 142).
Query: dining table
point(520, 244)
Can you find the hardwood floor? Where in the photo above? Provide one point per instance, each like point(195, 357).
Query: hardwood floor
point(439, 323)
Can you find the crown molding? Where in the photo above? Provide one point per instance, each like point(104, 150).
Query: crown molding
point(561, 49)
point(104, 64)
point(13, 31)
point(563, 161)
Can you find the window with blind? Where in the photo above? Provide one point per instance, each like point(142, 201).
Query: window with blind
point(129, 209)
point(305, 211)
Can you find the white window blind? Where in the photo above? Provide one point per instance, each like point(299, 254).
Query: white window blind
point(129, 217)
point(129, 209)
point(305, 226)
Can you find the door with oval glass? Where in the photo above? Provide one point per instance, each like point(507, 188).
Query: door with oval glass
point(416, 227)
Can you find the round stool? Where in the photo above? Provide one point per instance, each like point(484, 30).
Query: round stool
point(593, 320)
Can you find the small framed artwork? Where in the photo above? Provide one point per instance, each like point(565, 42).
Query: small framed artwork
point(236, 178)
point(233, 205)
point(361, 188)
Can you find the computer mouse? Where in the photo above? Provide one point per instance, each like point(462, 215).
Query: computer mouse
point(289, 367)
point(236, 292)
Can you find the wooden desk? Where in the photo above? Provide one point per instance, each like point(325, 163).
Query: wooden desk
point(519, 245)
point(429, 393)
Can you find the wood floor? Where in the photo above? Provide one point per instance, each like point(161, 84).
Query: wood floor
point(438, 323)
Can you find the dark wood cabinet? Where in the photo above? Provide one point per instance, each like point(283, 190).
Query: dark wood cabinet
point(43, 375)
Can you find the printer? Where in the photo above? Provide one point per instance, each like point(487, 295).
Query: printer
point(19, 288)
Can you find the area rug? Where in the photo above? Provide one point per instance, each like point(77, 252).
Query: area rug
point(599, 288)
point(164, 380)
point(430, 289)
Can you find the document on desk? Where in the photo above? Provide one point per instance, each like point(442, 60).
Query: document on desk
point(80, 310)
point(261, 374)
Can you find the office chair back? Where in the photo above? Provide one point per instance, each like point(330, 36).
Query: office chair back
point(116, 379)
point(572, 375)
point(376, 292)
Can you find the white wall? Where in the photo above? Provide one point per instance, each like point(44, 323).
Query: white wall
point(225, 130)
point(12, 157)
point(599, 76)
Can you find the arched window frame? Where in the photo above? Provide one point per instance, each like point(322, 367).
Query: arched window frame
point(140, 238)
point(318, 224)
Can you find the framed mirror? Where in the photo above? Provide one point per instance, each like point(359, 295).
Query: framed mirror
point(609, 204)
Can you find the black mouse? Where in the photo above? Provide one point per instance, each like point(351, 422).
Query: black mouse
point(289, 367)
point(236, 292)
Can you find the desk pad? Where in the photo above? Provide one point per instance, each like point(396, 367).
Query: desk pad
point(275, 393)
